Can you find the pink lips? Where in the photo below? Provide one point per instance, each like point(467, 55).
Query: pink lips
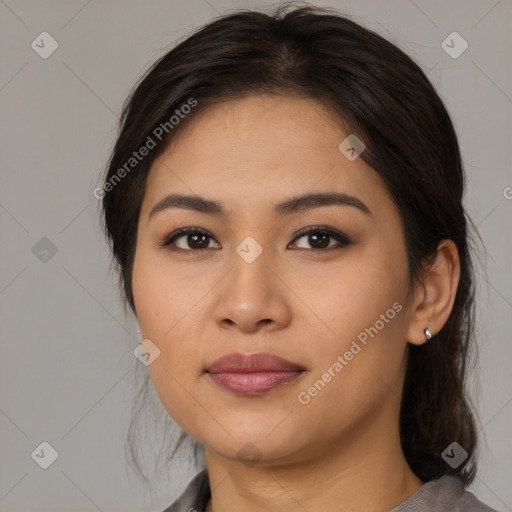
point(253, 374)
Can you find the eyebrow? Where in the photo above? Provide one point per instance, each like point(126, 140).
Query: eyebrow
point(292, 205)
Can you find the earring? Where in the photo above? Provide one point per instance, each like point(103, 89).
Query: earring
point(138, 334)
point(428, 334)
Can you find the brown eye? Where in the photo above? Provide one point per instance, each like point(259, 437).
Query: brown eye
point(189, 240)
point(319, 238)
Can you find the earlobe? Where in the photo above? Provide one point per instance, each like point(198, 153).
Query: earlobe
point(435, 296)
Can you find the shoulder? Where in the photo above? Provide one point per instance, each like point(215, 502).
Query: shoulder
point(195, 496)
point(446, 494)
point(468, 502)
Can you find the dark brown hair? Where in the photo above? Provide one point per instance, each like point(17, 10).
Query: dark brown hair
point(384, 98)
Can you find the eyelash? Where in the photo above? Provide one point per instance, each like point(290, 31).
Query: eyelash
point(342, 239)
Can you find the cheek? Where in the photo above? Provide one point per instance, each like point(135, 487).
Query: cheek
point(157, 291)
point(165, 300)
point(351, 294)
point(168, 304)
point(360, 307)
point(358, 364)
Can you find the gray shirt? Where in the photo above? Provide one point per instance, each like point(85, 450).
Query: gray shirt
point(446, 494)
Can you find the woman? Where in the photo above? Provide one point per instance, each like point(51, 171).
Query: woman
point(284, 202)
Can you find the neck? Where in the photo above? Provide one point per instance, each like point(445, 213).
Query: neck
point(362, 471)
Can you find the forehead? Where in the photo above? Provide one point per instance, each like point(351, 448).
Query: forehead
point(259, 148)
point(252, 124)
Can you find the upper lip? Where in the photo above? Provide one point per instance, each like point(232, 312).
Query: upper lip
point(249, 363)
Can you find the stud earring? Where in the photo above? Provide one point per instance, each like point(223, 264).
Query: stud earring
point(428, 334)
point(138, 334)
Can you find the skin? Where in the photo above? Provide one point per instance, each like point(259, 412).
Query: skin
point(341, 451)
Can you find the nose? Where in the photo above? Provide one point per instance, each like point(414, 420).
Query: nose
point(252, 297)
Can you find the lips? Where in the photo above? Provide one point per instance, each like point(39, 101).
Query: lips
point(249, 363)
point(253, 374)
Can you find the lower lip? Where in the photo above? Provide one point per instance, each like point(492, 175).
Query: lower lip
point(254, 383)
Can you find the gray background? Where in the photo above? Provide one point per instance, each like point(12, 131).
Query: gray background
point(67, 370)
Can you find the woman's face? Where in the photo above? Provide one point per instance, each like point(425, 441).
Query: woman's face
point(338, 309)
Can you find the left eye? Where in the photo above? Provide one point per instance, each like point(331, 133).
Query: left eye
point(319, 238)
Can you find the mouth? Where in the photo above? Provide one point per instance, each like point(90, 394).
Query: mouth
point(253, 374)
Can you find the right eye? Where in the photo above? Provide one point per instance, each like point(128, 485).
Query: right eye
point(193, 240)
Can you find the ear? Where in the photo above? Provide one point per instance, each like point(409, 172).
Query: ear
point(434, 297)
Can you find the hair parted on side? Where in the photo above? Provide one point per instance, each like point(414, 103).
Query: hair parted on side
point(382, 96)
